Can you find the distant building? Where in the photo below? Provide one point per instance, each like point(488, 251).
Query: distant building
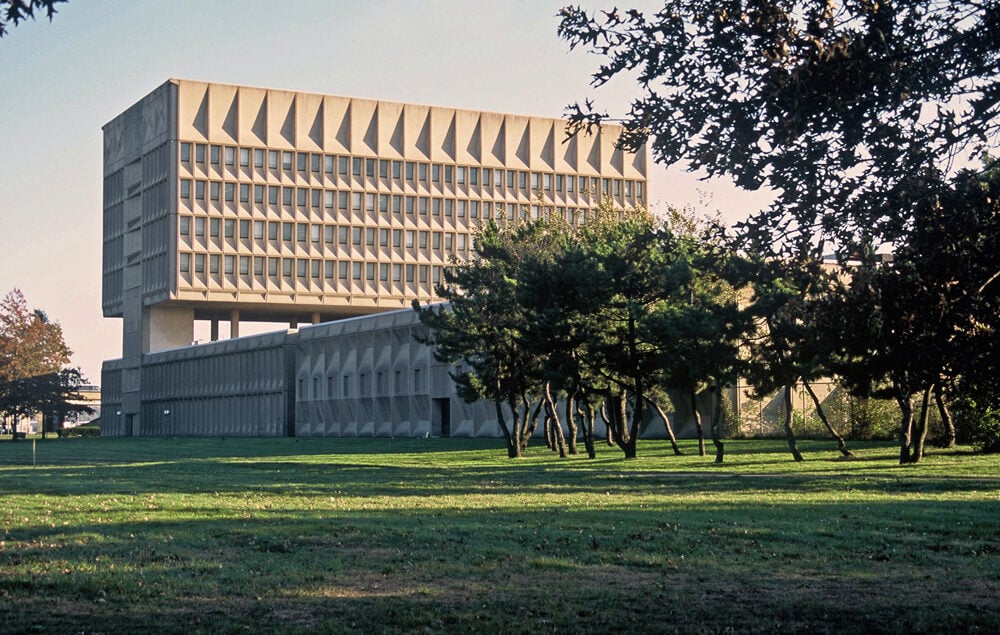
point(233, 203)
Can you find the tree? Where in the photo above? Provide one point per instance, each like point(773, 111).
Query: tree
point(16, 11)
point(32, 359)
point(835, 106)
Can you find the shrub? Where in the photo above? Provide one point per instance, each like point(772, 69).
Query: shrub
point(978, 425)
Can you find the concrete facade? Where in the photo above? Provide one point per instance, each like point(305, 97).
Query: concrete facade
point(235, 203)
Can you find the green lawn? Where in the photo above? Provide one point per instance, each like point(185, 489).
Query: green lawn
point(340, 535)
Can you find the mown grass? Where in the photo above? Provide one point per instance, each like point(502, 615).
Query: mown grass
point(379, 535)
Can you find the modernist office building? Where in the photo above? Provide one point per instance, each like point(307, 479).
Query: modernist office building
point(231, 203)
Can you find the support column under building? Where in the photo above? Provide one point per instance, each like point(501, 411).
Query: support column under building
point(234, 323)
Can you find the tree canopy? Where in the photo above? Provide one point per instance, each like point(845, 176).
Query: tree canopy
point(836, 106)
point(13, 12)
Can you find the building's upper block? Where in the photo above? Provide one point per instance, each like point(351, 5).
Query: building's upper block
point(308, 122)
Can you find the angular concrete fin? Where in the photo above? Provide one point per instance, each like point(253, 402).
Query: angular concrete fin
point(316, 131)
point(371, 133)
point(200, 122)
point(397, 141)
point(449, 140)
point(594, 157)
point(524, 146)
point(424, 138)
point(260, 121)
point(571, 150)
point(500, 142)
point(231, 124)
point(475, 147)
point(344, 132)
point(288, 127)
point(549, 148)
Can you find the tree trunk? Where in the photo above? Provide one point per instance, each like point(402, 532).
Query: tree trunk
point(906, 427)
point(513, 447)
point(608, 429)
point(552, 420)
point(917, 452)
point(666, 423)
point(789, 434)
point(946, 420)
point(841, 444)
point(619, 421)
point(529, 423)
point(717, 423)
point(571, 420)
point(697, 422)
point(589, 415)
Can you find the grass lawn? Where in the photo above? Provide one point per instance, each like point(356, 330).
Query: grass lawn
point(378, 535)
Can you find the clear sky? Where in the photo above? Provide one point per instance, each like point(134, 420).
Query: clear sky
point(61, 81)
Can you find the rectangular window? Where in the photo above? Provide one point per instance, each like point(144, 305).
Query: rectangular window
point(342, 200)
point(422, 172)
point(383, 169)
point(315, 197)
point(301, 161)
point(258, 193)
point(213, 227)
point(199, 153)
point(185, 225)
point(272, 230)
point(301, 194)
point(286, 160)
point(258, 158)
point(448, 174)
point(314, 233)
point(286, 267)
point(185, 263)
point(301, 267)
point(370, 236)
point(230, 156)
point(436, 173)
point(397, 204)
point(397, 169)
point(342, 235)
point(244, 192)
point(214, 188)
point(244, 265)
point(328, 199)
point(286, 231)
point(186, 152)
point(301, 231)
point(229, 265)
point(185, 188)
point(397, 272)
point(460, 174)
point(213, 263)
point(315, 268)
point(273, 191)
point(355, 270)
point(473, 176)
point(342, 270)
point(328, 269)
point(199, 263)
point(355, 235)
point(370, 168)
point(356, 201)
point(409, 238)
point(328, 163)
point(230, 228)
point(369, 271)
point(272, 159)
point(258, 266)
point(215, 159)
point(397, 237)
point(356, 166)
point(383, 237)
point(510, 178)
point(230, 192)
point(258, 229)
point(286, 195)
point(272, 266)
point(383, 272)
point(342, 166)
point(383, 203)
point(328, 231)
point(369, 202)
point(410, 271)
point(245, 157)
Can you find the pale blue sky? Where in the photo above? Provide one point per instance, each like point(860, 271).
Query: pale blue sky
point(60, 82)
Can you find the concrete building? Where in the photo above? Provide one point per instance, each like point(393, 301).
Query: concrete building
point(231, 204)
